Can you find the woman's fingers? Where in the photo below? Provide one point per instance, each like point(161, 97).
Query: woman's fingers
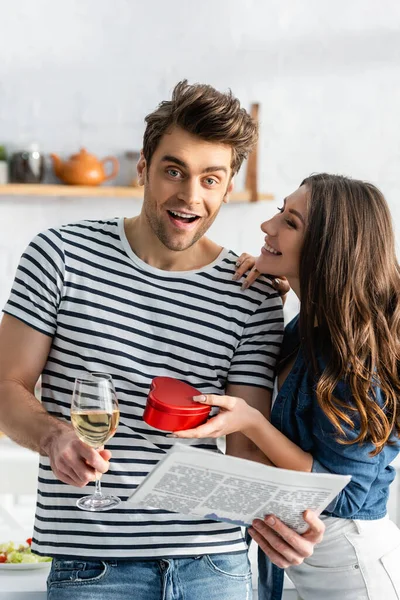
point(250, 278)
point(276, 558)
point(218, 425)
point(234, 414)
point(209, 429)
point(281, 285)
point(317, 527)
point(296, 541)
point(243, 258)
point(244, 263)
point(282, 545)
point(227, 402)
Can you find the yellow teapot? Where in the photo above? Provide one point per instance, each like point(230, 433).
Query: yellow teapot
point(84, 168)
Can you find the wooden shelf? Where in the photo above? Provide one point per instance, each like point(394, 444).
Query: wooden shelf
point(39, 189)
point(82, 191)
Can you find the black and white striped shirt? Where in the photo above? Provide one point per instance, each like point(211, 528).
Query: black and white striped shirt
point(107, 311)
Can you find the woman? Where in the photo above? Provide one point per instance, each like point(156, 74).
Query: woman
point(337, 404)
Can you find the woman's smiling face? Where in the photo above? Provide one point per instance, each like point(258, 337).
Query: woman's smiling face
point(280, 256)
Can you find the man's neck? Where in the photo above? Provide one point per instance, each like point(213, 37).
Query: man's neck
point(146, 245)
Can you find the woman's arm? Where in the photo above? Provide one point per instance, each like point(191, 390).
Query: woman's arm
point(277, 447)
point(236, 415)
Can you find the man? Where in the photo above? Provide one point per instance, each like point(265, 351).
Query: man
point(138, 298)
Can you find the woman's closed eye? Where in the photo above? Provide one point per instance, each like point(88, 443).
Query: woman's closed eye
point(289, 222)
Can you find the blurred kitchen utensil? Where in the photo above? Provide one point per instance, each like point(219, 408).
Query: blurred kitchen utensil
point(3, 166)
point(27, 166)
point(84, 168)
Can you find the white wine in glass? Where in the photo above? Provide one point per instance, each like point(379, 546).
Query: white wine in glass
point(95, 417)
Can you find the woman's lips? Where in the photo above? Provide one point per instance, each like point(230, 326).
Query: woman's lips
point(270, 251)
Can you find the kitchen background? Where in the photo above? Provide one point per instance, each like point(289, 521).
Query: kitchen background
point(86, 72)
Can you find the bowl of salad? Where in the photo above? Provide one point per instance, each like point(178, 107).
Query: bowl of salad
point(20, 556)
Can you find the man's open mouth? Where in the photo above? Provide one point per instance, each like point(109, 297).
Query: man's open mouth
point(183, 217)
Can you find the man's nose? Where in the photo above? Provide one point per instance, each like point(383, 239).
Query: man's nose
point(189, 191)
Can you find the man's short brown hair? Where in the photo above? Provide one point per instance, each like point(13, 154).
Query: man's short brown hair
point(203, 111)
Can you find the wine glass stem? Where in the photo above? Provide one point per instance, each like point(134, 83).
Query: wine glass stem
point(97, 491)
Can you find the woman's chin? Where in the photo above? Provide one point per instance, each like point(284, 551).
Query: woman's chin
point(263, 266)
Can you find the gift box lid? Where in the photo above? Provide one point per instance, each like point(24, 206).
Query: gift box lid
point(172, 396)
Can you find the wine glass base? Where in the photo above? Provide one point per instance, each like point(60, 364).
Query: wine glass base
point(98, 503)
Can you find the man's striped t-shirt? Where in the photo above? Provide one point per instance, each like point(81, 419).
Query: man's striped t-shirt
point(108, 311)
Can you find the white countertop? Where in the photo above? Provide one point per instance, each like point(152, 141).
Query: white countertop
point(18, 468)
point(24, 584)
point(18, 478)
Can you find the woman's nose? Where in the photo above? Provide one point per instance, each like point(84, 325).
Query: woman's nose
point(268, 227)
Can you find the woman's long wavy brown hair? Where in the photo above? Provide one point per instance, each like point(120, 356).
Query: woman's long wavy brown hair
point(350, 286)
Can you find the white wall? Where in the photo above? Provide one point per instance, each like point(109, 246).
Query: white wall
point(86, 72)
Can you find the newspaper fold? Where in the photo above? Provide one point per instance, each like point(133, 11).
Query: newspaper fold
point(211, 485)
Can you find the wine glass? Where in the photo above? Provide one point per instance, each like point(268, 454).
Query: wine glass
point(95, 417)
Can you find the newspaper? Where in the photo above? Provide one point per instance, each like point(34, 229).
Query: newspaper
point(211, 485)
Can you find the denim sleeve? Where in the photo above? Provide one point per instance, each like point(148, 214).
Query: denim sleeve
point(351, 459)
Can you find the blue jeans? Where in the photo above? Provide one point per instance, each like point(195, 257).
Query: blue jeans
point(208, 577)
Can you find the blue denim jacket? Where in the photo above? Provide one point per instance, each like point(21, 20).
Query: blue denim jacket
point(296, 413)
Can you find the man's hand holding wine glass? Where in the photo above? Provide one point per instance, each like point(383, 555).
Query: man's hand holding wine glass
point(72, 461)
point(77, 455)
point(95, 418)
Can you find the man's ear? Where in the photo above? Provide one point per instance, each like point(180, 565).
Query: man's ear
point(229, 191)
point(141, 169)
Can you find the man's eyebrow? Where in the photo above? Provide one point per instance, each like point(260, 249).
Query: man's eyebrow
point(178, 161)
point(216, 168)
point(181, 163)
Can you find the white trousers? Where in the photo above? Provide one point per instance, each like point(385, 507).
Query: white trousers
point(356, 560)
